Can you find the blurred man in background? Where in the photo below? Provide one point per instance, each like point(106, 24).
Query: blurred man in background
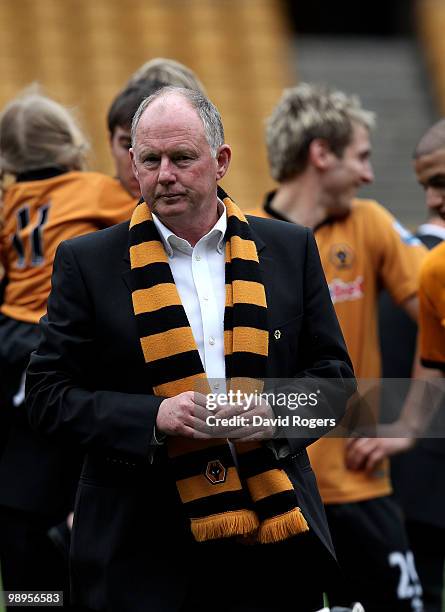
point(51, 199)
point(319, 152)
point(418, 476)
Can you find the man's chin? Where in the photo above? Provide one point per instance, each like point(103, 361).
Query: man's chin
point(170, 207)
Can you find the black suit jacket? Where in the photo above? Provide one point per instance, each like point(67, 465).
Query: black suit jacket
point(87, 385)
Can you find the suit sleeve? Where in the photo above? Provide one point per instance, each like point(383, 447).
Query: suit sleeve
point(61, 395)
point(323, 357)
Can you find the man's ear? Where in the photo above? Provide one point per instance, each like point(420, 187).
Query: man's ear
point(320, 154)
point(223, 157)
point(133, 164)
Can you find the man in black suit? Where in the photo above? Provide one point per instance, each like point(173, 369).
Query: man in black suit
point(135, 318)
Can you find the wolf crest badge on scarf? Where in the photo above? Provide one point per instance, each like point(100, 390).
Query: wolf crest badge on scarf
point(215, 472)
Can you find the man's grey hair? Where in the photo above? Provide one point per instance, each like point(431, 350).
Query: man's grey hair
point(207, 111)
point(307, 112)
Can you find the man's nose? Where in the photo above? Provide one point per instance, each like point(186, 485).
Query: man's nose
point(367, 173)
point(166, 174)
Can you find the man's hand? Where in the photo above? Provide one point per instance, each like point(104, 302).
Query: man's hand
point(366, 453)
point(187, 415)
point(263, 429)
point(184, 415)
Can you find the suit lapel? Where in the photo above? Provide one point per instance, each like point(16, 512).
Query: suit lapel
point(267, 273)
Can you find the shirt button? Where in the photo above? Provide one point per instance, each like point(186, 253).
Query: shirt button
point(197, 257)
point(216, 386)
point(211, 340)
point(205, 298)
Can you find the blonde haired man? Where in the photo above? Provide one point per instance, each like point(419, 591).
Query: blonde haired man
point(319, 152)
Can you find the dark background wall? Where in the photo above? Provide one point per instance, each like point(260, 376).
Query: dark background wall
point(342, 17)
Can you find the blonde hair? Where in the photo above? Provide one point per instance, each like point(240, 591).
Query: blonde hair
point(307, 112)
point(37, 132)
point(169, 72)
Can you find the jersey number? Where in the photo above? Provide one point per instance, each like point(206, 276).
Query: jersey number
point(409, 585)
point(37, 256)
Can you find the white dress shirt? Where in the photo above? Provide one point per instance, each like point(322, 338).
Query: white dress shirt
point(199, 275)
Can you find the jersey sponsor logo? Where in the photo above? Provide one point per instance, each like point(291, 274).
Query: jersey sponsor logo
point(342, 291)
point(342, 256)
point(406, 235)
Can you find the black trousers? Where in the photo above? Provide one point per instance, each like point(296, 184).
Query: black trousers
point(230, 577)
point(374, 555)
point(428, 545)
point(263, 578)
point(29, 558)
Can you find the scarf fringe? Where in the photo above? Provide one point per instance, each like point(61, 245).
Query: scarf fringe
point(225, 525)
point(282, 527)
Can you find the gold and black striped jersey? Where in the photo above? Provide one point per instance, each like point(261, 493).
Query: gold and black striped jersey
point(38, 215)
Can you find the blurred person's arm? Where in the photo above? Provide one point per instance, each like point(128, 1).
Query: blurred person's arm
point(416, 414)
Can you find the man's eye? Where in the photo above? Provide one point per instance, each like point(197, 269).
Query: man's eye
point(125, 144)
point(438, 183)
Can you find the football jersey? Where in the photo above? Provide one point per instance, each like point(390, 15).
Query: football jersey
point(361, 252)
point(432, 309)
point(37, 216)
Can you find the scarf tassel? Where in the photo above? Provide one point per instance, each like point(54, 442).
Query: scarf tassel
point(282, 527)
point(224, 525)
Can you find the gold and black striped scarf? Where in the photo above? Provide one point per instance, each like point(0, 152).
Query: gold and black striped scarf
point(256, 498)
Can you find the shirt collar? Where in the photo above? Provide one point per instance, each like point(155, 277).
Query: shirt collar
point(173, 242)
point(277, 215)
point(41, 174)
point(432, 230)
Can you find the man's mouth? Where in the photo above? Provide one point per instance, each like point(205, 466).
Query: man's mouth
point(170, 196)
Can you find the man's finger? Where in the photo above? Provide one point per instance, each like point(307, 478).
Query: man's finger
point(356, 456)
point(373, 460)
